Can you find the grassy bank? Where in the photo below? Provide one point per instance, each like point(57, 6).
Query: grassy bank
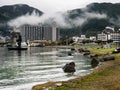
point(105, 77)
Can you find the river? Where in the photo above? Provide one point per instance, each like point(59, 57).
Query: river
point(22, 70)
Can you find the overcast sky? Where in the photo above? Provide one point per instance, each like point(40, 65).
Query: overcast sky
point(50, 6)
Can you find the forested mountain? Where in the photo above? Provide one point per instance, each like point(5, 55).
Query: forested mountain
point(93, 19)
point(89, 20)
point(13, 11)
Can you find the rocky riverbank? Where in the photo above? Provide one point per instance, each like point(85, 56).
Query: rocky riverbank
point(104, 77)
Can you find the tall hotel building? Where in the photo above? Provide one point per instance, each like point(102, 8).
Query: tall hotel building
point(39, 32)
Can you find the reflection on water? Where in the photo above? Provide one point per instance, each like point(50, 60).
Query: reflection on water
point(20, 70)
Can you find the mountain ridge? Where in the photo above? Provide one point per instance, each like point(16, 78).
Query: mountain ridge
point(9, 12)
point(94, 24)
point(90, 20)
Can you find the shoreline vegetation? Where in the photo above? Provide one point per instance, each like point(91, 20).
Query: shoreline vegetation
point(104, 77)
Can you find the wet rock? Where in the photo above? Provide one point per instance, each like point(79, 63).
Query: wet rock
point(108, 58)
point(94, 62)
point(93, 55)
point(69, 54)
point(80, 49)
point(72, 49)
point(83, 50)
point(86, 53)
point(69, 68)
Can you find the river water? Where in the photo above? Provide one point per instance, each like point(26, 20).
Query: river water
point(22, 70)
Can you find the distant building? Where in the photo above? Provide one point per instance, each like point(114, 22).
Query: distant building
point(2, 39)
point(40, 32)
point(83, 37)
point(8, 39)
point(108, 30)
point(115, 37)
point(102, 37)
point(92, 38)
point(109, 34)
point(106, 34)
point(79, 39)
point(75, 39)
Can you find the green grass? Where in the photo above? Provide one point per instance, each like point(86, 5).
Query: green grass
point(101, 51)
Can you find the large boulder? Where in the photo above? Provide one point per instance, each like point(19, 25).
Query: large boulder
point(69, 68)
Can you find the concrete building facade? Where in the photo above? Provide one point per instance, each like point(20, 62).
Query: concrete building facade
point(111, 36)
point(102, 37)
point(115, 37)
point(39, 32)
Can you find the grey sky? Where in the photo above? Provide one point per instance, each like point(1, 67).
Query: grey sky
point(50, 6)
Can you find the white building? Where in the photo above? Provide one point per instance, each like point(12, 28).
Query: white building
point(111, 36)
point(75, 39)
point(79, 39)
point(107, 34)
point(115, 37)
point(92, 38)
point(102, 37)
point(83, 37)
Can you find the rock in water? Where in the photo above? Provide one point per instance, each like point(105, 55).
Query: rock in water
point(69, 68)
point(94, 62)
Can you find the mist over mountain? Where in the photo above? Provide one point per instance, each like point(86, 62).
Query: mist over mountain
point(93, 18)
point(89, 20)
point(14, 11)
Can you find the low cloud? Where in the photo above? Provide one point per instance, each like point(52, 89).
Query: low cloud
point(95, 15)
point(25, 19)
point(84, 17)
point(115, 21)
point(61, 19)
